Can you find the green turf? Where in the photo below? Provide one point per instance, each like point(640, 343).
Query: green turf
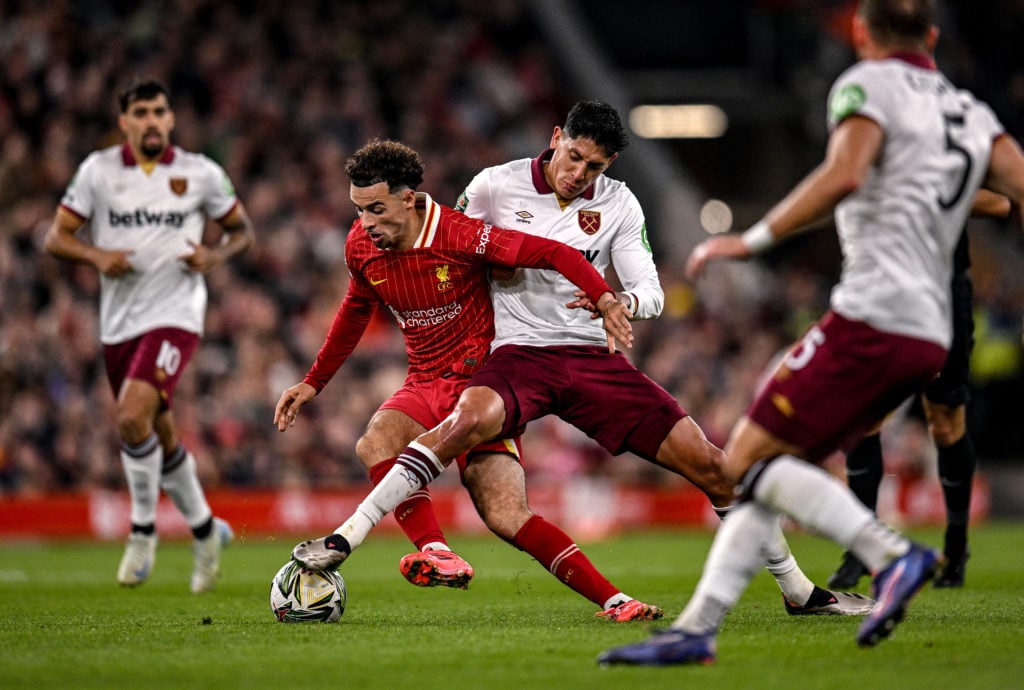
point(64, 623)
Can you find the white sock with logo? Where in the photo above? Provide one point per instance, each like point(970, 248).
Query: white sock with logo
point(141, 465)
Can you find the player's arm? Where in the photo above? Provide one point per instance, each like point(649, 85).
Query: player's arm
point(238, 237)
point(990, 205)
point(540, 252)
point(346, 330)
point(1006, 173)
point(61, 241)
point(852, 149)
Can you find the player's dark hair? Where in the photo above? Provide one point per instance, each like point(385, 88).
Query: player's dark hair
point(898, 22)
point(143, 89)
point(383, 160)
point(597, 121)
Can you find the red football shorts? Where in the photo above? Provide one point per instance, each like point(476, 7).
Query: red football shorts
point(429, 402)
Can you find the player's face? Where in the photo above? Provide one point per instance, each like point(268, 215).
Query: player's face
point(388, 218)
point(147, 125)
point(575, 164)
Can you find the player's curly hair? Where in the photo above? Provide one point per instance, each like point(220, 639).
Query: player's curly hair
point(597, 121)
point(383, 160)
point(142, 89)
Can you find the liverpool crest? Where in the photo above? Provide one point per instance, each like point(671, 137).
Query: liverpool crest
point(444, 281)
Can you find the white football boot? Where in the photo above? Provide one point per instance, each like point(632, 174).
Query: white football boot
point(137, 562)
point(206, 556)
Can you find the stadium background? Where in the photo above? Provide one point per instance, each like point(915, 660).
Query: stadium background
point(280, 96)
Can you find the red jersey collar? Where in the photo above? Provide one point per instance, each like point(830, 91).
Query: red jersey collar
point(922, 60)
point(128, 158)
point(541, 185)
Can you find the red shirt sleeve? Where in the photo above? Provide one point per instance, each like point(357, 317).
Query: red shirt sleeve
point(540, 252)
point(348, 327)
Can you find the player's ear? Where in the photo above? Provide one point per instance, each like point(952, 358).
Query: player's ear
point(556, 136)
point(932, 39)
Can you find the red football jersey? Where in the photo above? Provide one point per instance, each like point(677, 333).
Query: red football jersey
point(438, 290)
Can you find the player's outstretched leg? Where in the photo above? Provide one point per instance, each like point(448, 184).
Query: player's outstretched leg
point(325, 553)
point(894, 587)
point(435, 567)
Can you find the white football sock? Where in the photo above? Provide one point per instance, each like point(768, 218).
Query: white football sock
point(181, 482)
point(795, 585)
point(141, 465)
point(822, 503)
point(410, 473)
point(737, 554)
point(878, 545)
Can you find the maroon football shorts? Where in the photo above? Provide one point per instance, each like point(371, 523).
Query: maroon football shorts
point(839, 382)
point(603, 395)
point(157, 357)
point(428, 402)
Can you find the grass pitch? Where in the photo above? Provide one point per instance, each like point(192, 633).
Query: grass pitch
point(65, 623)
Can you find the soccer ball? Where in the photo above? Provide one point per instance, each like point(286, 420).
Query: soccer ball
point(298, 595)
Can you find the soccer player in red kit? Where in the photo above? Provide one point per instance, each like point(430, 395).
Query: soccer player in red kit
point(428, 264)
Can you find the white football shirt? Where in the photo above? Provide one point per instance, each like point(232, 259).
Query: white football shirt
point(605, 223)
point(898, 231)
point(154, 216)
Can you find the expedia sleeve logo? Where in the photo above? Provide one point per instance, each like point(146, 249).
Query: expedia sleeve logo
point(485, 238)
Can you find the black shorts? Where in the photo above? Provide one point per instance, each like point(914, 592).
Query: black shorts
point(952, 387)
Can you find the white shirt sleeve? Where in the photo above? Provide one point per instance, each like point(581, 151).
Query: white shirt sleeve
point(634, 265)
point(219, 194)
point(475, 201)
point(80, 193)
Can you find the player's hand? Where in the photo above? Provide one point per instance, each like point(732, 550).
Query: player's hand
point(584, 302)
point(616, 317)
point(292, 400)
point(729, 246)
point(201, 259)
point(113, 263)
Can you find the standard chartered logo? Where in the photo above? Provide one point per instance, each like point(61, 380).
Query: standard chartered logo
point(426, 317)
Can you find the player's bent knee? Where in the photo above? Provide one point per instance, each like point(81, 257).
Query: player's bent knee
point(134, 428)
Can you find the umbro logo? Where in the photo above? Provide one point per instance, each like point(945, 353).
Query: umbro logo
point(524, 216)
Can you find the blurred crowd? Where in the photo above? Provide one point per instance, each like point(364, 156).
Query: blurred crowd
point(280, 97)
